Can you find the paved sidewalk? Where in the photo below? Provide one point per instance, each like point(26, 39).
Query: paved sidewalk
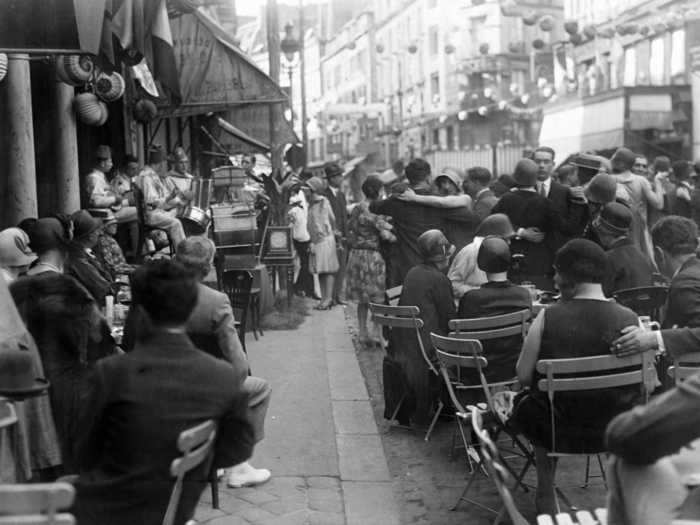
point(322, 444)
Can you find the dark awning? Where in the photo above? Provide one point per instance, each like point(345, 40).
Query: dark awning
point(240, 135)
point(214, 73)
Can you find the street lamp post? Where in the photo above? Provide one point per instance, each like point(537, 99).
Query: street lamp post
point(290, 46)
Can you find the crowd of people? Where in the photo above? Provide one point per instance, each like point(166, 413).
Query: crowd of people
point(468, 245)
point(460, 245)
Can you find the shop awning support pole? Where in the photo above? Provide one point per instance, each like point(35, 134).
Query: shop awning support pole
point(21, 200)
point(65, 135)
point(695, 94)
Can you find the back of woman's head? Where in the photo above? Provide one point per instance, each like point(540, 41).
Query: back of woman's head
point(166, 290)
point(372, 186)
point(581, 261)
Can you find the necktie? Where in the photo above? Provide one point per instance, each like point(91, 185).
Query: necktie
point(543, 192)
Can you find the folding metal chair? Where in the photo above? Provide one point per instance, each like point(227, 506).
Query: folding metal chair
point(405, 317)
point(453, 355)
point(488, 451)
point(684, 367)
point(36, 504)
point(645, 300)
point(583, 517)
point(592, 373)
point(196, 444)
point(393, 295)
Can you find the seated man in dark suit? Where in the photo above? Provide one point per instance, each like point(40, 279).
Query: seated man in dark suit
point(496, 297)
point(627, 266)
point(140, 402)
point(212, 328)
point(675, 242)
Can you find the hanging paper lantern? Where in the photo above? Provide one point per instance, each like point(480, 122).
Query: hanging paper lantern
point(109, 87)
point(576, 39)
point(89, 109)
point(145, 110)
point(449, 49)
point(105, 114)
point(502, 105)
point(608, 32)
point(412, 48)
point(484, 49)
point(75, 70)
point(3, 66)
point(525, 99)
point(352, 45)
point(514, 47)
point(530, 19)
point(488, 92)
point(547, 23)
point(590, 31)
point(379, 48)
point(571, 27)
point(547, 91)
point(538, 43)
point(644, 30)
point(483, 111)
point(659, 27)
point(631, 29)
point(621, 30)
point(462, 115)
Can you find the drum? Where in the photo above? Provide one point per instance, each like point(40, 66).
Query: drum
point(196, 218)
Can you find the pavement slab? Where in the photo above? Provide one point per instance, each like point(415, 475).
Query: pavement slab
point(320, 435)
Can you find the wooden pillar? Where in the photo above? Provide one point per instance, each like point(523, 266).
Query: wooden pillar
point(21, 198)
point(273, 49)
point(65, 135)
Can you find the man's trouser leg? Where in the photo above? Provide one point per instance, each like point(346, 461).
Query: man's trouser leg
point(258, 392)
point(167, 221)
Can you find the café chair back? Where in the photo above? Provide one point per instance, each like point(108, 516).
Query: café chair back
point(196, 445)
point(393, 295)
point(645, 300)
point(592, 373)
point(498, 473)
point(684, 367)
point(237, 284)
point(454, 355)
point(493, 327)
point(582, 517)
point(36, 504)
point(406, 317)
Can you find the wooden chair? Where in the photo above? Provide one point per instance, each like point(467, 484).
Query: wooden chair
point(497, 472)
point(684, 367)
point(36, 504)
point(646, 300)
point(592, 373)
point(405, 317)
point(195, 444)
point(453, 355)
point(237, 285)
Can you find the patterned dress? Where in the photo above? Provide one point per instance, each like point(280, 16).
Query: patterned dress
point(365, 269)
point(111, 256)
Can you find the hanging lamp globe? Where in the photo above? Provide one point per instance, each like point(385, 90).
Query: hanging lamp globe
point(289, 45)
point(538, 43)
point(571, 27)
point(449, 49)
point(484, 48)
point(530, 19)
point(590, 31)
point(547, 23)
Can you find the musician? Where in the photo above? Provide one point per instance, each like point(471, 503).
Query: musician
point(161, 196)
point(103, 195)
point(178, 173)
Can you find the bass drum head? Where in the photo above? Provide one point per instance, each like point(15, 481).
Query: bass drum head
point(195, 221)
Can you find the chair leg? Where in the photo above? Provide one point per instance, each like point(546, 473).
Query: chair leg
point(472, 478)
point(602, 471)
point(588, 472)
point(214, 484)
point(396, 411)
point(438, 411)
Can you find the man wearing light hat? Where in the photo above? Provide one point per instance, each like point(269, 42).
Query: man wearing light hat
point(627, 266)
point(100, 193)
point(161, 197)
point(178, 173)
point(15, 255)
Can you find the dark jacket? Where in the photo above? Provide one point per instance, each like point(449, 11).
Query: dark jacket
point(88, 271)
point(573, 216)
point(340, 210)
point(410, 219)
point(496, 298)
point(484, 203)
point(627, 267)
point(683, 302)
point(140, 403)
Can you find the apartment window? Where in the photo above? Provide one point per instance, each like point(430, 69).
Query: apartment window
point(656, 62)
point(677, 52)
point(630, 76)
point(436, 137)
point(433, 37)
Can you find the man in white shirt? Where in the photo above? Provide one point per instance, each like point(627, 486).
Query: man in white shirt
point(464, 273)
point(298, 215)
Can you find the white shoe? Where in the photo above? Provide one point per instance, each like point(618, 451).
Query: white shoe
point(244, 475)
